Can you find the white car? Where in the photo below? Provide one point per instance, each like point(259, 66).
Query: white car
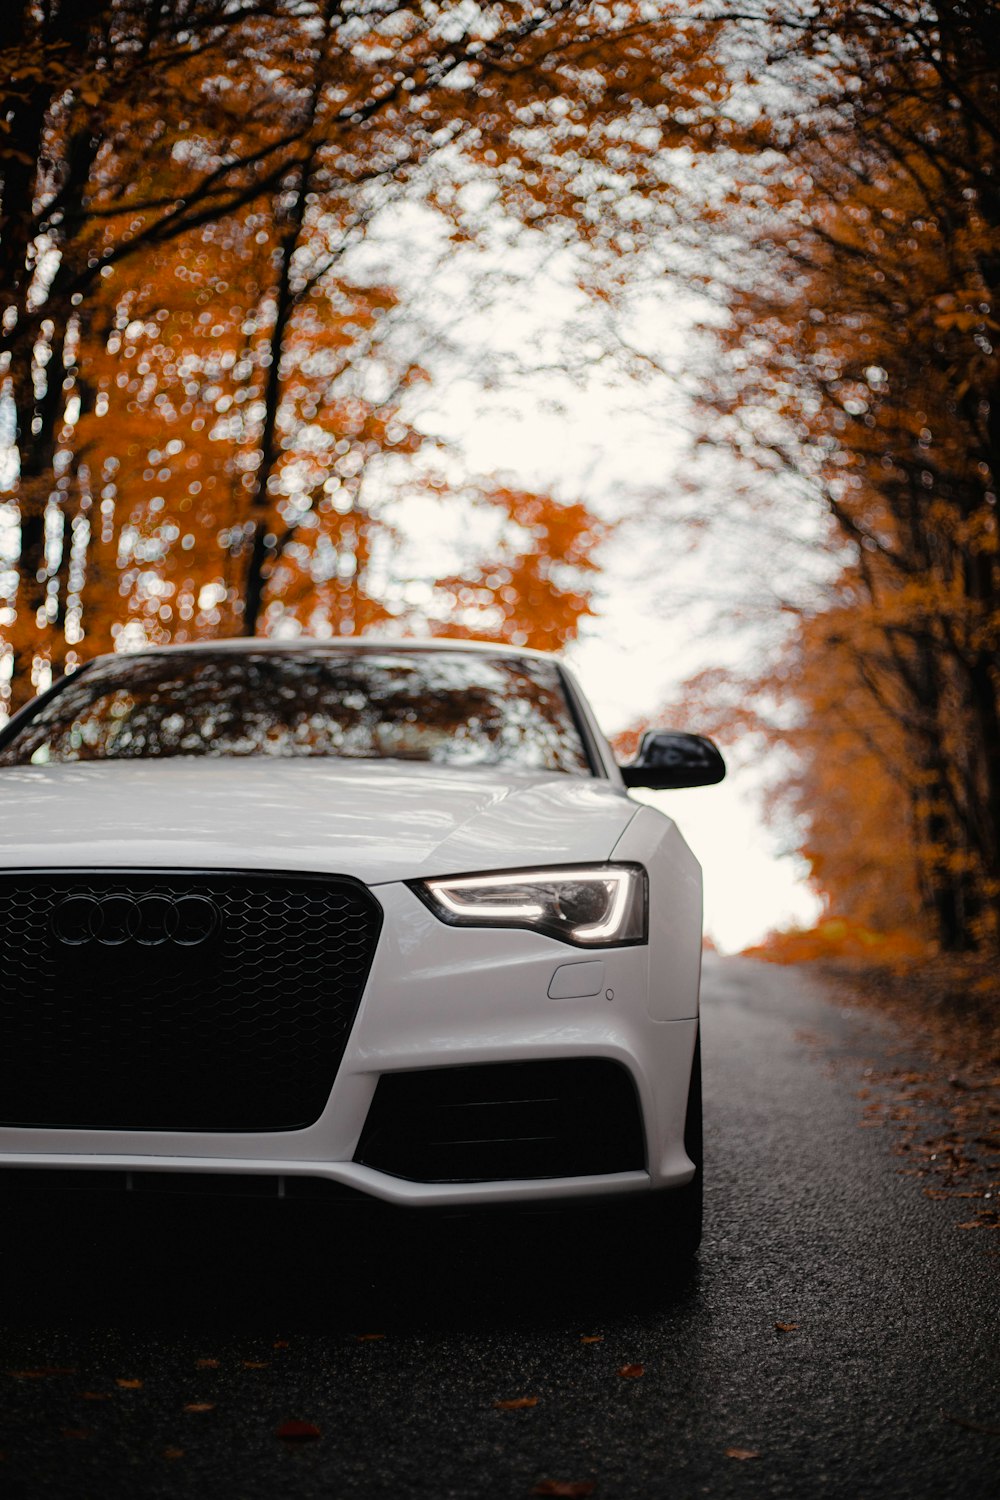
point(381, 915)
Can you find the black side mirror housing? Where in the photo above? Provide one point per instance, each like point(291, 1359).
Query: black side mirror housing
point(669, 759)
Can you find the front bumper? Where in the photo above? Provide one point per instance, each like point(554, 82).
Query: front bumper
point(446, 997)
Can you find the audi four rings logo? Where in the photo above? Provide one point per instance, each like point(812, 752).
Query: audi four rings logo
point(149, 920)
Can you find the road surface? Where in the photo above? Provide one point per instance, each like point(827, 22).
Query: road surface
point(395, 1344)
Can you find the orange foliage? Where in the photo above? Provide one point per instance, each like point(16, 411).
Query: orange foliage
point(860, 360)
point(837, 938)
point(198, 391)
point(535, 590)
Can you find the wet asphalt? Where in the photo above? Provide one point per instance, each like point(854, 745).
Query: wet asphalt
point(393, 1340)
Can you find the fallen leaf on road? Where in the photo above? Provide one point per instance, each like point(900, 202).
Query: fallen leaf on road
point(294, 1431)
point(367, 1338)
point(516, 1403)
point(592, 1338)
point(280, 1344)
point(948, 1416)
point(206, 1364)
point(255, 1364)
point(742, 1453)
point(631, 1372)
point(173, 1453)
point(786, 1327)
point(198, 1406)
point(569, 1487)
point(129, 1385)
point(41, 1374)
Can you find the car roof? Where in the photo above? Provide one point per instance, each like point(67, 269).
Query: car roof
point(353, 643)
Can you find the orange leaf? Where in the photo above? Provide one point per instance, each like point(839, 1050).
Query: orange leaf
point(206, 1364)
point(294, 1431)
point(280, 1344)
point(742, 1453)
point(516, 1403)
point(198, 1406)
point(631, 1372)
point(40, 1374)
point(786, 1327)
point(367, 1338)
point(255, 1364)
point(568, 1487)
point(129, 1385)
point(173, 1453)
point(592, 1338)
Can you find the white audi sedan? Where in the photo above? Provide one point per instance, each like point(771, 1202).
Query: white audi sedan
point(380, 916)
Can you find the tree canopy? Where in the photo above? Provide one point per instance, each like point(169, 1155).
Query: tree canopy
point(199, 392)
point(209, 404)
point(858, 354)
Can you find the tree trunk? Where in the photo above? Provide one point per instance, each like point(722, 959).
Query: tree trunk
point(38, 417)
point(262, 550)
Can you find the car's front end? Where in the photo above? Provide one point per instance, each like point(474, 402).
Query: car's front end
point(436, 984)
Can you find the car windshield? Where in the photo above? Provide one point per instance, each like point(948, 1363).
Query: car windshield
point(450, 708)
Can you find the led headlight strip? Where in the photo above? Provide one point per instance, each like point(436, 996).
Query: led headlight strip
point(588, 905)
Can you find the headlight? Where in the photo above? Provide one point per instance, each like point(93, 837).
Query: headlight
point(593, 906)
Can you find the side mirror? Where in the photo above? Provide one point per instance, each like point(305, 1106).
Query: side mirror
point(669, 759)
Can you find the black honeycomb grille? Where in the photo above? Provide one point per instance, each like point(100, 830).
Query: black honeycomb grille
point(187, 1000)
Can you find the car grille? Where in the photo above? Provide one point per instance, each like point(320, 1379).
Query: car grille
point(177, 1000)
point(494, 1122)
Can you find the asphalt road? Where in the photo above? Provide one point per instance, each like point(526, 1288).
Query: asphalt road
point(396, 1342)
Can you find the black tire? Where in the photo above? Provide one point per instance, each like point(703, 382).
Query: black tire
point(673, 1219)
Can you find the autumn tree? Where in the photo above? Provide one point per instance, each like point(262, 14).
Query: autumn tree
point(536, 586)
point(859, 356)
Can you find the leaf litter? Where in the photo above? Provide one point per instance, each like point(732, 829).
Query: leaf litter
point(296, 1431)
point(567, 1487)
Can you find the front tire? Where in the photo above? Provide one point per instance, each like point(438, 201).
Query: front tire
point(673, 1219)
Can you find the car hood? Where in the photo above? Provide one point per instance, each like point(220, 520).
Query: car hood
point(376, 820)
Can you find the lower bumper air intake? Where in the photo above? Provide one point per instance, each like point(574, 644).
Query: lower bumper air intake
point(496, 1122)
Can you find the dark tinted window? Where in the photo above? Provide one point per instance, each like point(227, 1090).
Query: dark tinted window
point(449, 707)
